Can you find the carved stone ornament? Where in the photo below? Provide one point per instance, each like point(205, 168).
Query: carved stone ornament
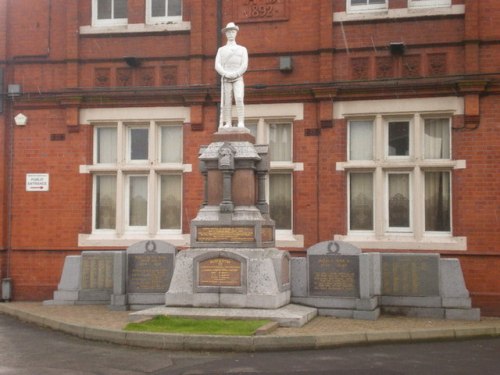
point(226, 156)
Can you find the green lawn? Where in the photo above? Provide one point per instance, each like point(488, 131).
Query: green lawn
point(168, 324)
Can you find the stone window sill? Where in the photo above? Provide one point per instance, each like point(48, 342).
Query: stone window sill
point(136, 28)
point(398, 13)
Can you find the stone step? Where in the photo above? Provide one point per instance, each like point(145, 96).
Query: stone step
point(287, 316)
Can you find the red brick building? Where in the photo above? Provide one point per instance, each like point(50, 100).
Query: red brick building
point(382, 116)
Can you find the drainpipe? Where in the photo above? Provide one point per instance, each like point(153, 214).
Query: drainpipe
point(219, 43)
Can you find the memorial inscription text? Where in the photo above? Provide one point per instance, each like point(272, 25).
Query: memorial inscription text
point(413, 276)
point(219, 272)
point(334, 275)
point(149, 273)
point(225, 234)
point(97, 271)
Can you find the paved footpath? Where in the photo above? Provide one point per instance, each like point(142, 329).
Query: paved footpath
point(97, 322)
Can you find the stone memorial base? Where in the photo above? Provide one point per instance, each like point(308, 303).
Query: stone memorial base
point(337, 279)
point(86, 279)
point(235, 278)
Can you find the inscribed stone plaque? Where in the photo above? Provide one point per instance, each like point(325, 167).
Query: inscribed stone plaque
point(149, 273)
point(334, 275)
point(219, 272)
point(410, 275)
point(97, 271)
point(225, 234)
point(150, 265)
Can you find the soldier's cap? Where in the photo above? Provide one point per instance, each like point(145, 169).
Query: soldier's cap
point(230, 26)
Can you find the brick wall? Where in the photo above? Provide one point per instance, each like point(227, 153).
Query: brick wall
point(69, 71)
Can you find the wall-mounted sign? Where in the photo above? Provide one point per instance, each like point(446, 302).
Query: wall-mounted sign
point(37, 182)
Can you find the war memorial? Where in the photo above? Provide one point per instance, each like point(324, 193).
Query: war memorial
point(233, 269)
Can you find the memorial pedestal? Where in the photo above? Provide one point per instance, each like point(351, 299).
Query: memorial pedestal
point(233, 278)
point(232, 262)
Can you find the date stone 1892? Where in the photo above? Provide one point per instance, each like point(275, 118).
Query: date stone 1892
point(261, 10)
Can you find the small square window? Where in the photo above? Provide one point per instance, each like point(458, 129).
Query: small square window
point(361, 140)
point(398, 138)
point(105, 145)
point(161, 11)
point(138, 146)
point(366, 5)
point(109, 12)
point(428, 3)
point(437, 139)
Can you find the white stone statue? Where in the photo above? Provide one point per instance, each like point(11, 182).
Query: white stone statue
point(231, 63)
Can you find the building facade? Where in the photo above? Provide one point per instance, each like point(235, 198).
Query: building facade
point(381, 115)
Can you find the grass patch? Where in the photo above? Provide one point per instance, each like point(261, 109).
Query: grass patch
point(167, 324)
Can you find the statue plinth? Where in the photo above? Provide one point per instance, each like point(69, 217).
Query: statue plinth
point(234, 213)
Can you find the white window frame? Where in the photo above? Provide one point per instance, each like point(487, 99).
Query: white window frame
point(107, 21)
point(151, 20)
point(277, 167)
point(151, 167)
point(418, 110)
point(262, 115)
point(366, 8)
point(428, 3)
point(121, 118)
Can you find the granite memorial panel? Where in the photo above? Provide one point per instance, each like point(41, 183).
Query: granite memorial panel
point(334, 275)
point(410, 275)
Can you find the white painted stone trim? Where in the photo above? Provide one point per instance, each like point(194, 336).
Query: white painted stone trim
point(135, 28)
point(358, 108)
point(389, 14)
point(90, 115)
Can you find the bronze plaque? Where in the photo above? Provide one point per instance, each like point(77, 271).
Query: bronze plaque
point(261, 10)
point(97, 271)
point(149, 273)
point(410, 275)
point(225, 234)
point(219, 272)
point(334, 275)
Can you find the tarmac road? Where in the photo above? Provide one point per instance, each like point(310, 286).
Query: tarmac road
point(27, 349)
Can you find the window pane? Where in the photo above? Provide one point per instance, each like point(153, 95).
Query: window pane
point(437, 139)
point(106, 145)
point(120, 9)
point(139, 143)
point(104, 9)
point(360, 140)
point(171, 204)
point(174, 8)
point(280, 142)
point(105, 202)
point(367, 2)
point(399, 138)
point(399, 200)
point(158, 8)
point(437, 201)
point(138, 201)
point(253, 129)
point(361, 201)
point(171, 144)
point(280, 200)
